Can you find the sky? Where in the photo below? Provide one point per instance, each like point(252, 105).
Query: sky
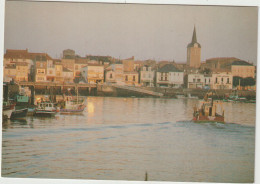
point(160, 32)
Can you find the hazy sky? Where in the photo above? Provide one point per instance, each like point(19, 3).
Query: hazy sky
point(159, 32)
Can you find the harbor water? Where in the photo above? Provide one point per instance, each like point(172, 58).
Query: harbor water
point(123, 138)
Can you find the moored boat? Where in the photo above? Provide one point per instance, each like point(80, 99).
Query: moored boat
point(8, 108)
point(45, 109)
point(73, 106)
point(19, 113)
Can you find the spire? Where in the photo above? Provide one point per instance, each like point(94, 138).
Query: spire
point(194, 37)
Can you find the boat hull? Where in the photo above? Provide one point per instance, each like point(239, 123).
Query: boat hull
point(7, 113)
point(42, 113)
point(20, 113)
point(209, 119)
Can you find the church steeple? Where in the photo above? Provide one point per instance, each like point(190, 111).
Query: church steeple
point(194, 51)
point(194, 37)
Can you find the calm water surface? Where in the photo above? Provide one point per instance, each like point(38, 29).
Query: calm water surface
point(122, 138)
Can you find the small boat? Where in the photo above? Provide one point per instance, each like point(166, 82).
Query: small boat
point(208, 111)
point(8, 108)
point(73, 106)
point(19, 112)
point(45, 109)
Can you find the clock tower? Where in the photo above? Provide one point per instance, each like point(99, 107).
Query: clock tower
point(194, 52)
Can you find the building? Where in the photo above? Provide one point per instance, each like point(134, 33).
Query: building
point(68, 63)
point(242, 69)
point(196, 80)
point(58, 71)
point(115, 73)
point(22, 71)
point(9, 72)
point(93, 73)
point(68, 75)
point(129, 64)
point(50, 76)
point(194, 52)
point(131, 78)
point(169, 76)
point(219, 64)
point(147, 76)
point(68, 54)
point(41, 68)
point(221, 80)
point(79, 63)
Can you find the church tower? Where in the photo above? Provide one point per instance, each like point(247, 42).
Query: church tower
point(194, 52)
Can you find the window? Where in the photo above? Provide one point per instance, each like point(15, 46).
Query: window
point(198, 80)
point(134, 78)
point(111, 75)
point(126, 78)
point(193, 80)
point(228, 80)
point(205, 80)
point(222, 79)
point(216, 80)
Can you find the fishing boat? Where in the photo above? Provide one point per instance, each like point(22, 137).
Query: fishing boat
point(73, 106)
point(208, 111)
point(45, 109)
point(19, 113)
point(8, 108)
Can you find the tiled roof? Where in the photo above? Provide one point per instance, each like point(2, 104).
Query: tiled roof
point(168, 68)
point(244, 63)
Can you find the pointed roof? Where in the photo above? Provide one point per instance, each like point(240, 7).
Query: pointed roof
point(194, 39)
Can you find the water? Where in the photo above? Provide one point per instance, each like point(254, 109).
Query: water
point(122, 138)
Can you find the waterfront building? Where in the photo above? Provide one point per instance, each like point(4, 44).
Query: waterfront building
point(9, 72)
point(115, 73)
point(129, 64)
point(79, 63)
point(13, 56)
point(93, 73)
point(58, 71)
point(68, 75)
point(242, 69)
point(169, 76)
point(222, 80)
point(131, 78)
point(22, 71)
point(196, 80)
point(41, 67)
point(194, 52)
point(138, 65)
point(147, 76)
point(68, 63)
point(50, 76)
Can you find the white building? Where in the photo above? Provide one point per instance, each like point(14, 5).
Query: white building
point(169, 76)
point(196, 80)
point(147, 76)
point(222, 80)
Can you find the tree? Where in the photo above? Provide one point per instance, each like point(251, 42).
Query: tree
point(236, 80)
point(249, 81)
